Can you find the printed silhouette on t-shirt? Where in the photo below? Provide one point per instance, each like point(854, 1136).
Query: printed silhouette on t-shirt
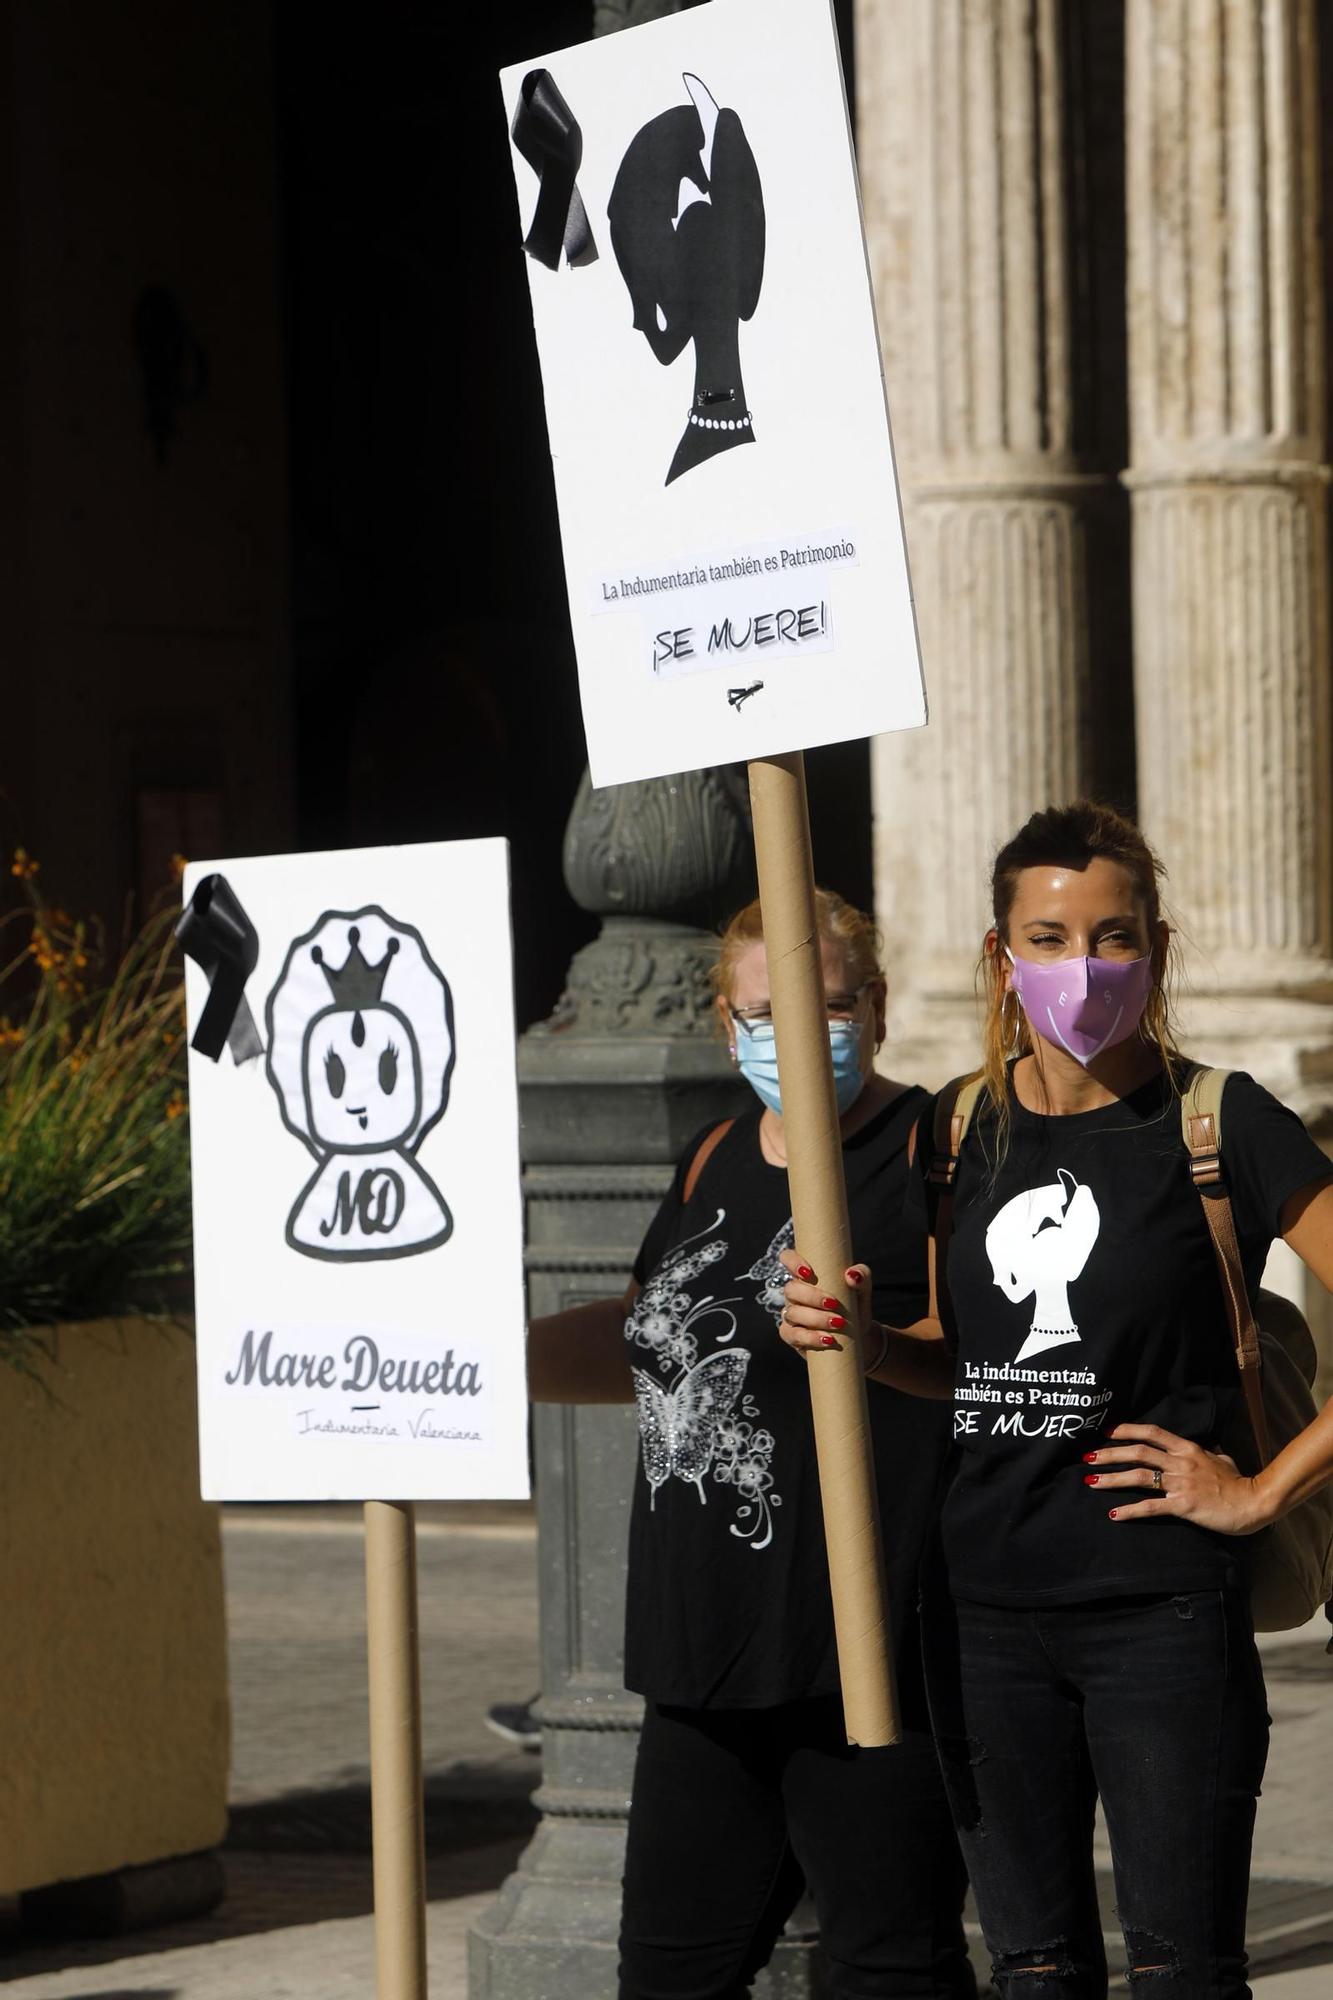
point(1038, 1244)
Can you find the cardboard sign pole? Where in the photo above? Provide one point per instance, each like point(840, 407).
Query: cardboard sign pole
point(819, 1211)
point(397, 1819)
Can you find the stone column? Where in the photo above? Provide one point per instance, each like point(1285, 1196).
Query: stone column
point(990, 267)
point(1229, 484)
point(612, 1086)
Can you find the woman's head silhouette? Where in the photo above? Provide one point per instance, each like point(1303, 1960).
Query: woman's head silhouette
point(687, 228)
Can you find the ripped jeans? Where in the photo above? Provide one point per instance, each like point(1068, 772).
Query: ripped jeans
point(1155, 1703)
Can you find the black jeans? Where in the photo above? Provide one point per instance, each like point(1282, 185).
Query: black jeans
point(734, 1810)
point(1155, 1703)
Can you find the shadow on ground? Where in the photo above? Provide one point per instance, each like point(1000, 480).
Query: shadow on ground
point(305, 1859)
point(1290, 1925)
point(465, 1806)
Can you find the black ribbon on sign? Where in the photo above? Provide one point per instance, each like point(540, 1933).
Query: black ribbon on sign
point(216, 933)
point(550, 138)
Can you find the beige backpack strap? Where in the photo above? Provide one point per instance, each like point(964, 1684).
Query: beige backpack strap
point(954, 1108)
point(1201, 1122)
point(1201, 1127)
point(708, 1145)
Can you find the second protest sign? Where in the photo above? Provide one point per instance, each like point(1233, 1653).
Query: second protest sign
point(732, 534)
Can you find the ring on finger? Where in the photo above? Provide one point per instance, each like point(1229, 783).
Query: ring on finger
point(1157, 1483)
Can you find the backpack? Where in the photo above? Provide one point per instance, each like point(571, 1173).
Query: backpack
point(1289, 1565)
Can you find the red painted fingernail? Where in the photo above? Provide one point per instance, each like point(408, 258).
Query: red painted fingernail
point(1089, 1458)
point(1113, 1514)
point(829, 1305)
point(837, 1322)
point(804, 1271)
point(853, 1277)
point(1091, 1478)
point(827, 1340)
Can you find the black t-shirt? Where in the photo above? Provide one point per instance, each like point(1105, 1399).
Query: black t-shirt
point(1086, 1293)
point(728, 1593)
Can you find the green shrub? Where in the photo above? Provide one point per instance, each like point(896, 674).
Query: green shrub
point(94, 1147)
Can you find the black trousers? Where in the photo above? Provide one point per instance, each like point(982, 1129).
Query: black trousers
point(1155, 1703)
point(735, 1811)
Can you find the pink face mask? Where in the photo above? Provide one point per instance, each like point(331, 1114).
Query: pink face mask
point(1083, 1005)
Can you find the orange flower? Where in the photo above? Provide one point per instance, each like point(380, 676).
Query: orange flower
point(43, 949)
point(177, 1107)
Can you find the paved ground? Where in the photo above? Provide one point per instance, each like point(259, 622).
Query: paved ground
point(296, 1915)
point(295, 1924)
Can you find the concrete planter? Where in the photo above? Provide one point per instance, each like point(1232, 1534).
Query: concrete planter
point(113, 1667)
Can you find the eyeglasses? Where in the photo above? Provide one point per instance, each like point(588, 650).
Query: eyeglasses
point(841, 1007)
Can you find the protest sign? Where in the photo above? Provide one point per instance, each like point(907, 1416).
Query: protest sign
point(354, 1146)
point(355, 1167)
point(733, 541)
point(714, 391)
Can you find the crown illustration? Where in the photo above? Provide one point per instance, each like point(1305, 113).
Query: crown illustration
point(355, 983)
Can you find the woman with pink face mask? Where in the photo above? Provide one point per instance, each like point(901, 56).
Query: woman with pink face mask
point(1087, 1625)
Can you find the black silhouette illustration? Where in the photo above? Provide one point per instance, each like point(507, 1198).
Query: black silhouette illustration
point(687, 228)
point(550, 138)
point(361, 1052)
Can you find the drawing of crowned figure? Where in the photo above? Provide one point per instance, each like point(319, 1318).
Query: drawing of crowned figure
point(360, 1052)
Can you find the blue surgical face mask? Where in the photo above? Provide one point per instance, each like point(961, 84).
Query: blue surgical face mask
point(848, 1077)
point(757, 1059)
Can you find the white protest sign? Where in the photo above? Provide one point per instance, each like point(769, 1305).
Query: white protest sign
point(357, 1218)
point(715, 402)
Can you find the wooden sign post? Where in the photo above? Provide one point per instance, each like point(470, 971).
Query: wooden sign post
point(819, 1214)
point(397, 1819)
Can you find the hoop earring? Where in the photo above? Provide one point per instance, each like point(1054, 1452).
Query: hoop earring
point(1011, 1038)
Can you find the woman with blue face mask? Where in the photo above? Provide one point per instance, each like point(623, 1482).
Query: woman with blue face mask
point(745, 1789)
point(856, 1031)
